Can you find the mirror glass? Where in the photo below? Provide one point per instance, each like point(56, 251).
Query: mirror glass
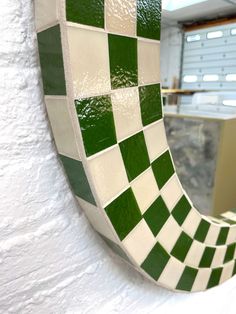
point(198, 73)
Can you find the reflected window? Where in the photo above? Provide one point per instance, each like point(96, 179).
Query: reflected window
point(233, 31)
point(231, 78)
point(217, 34)
point(229, 102)
point(192, 38)
point(190, 78)
point(211, 78)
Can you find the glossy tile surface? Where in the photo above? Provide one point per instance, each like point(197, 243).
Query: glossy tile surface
point(139, 242)
point(96, 122)
point(163, 169)
point(126, 110)
point(156, 261)
point(102, 167)
point(89, 62)
point(45, 13)
point(123, 61)
point(157, 215)
point(58, 111)
point(121, 17)
point(149, 18)
point(95, 217)
point(171, 192)
point(181, 210)
point(124, 213)
point(155, 138)
point(51, 61)
point(131, 148)
point(145, 189)
point(151, 105)
point(173, 231)
point(148, 62)
point(89, 12)
point(182, 247)
point(78, 179)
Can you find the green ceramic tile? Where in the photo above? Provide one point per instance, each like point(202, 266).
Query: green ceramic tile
point(207, 257)
point(116, 248)
point(181, 210)
point(230, 222)
point(51, 60)
point(229, 256)
point(135, 155)
point(234, 271)
point(163, 169)
point(222, 238)
point(149, 18)
point(214, 278)
point(150, 102)
point(202, 231)
point(157, 215)
point(124, 213)
point(88, 12)
point(187, 279)
point(123, 61)
point(77, 178)
point(97, 123)
point(182, 247)
point(156, 261)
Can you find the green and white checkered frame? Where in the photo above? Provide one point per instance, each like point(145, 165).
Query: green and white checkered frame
point(101, 78)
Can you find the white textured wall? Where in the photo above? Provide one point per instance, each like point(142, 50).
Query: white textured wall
point(51, 261)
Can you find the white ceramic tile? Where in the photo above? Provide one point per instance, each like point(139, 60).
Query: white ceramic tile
point(219, 256)
point(145, 190)
point(127, 113)
point(195, 253)
point(121, 16)
point(89, 59)
point(192, 222)
point(97, 220)
point(139, 242)
point(108, 174)
point(232, 235)
point(212, 235)
point(229, 215)
point(169, 234)
point(156, 141)
point(215, 220)
point(227, 272)
point(45, 13)
point(202, 279)
point(172, 192)
point(61, 124)
point(148, 62)
point(172, 273)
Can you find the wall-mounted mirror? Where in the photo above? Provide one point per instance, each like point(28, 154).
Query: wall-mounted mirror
point(198, 71)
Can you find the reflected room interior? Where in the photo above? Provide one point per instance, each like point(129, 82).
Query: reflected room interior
point(198, 73)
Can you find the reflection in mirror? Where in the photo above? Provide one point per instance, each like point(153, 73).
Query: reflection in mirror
point(198, 68)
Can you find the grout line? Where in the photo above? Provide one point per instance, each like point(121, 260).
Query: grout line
point(47, 26)
point(107, 32)
point(113, 91)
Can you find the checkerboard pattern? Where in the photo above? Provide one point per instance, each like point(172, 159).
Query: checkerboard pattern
point(101, 78)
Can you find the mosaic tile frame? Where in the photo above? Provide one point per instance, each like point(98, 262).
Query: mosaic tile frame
point(101, 78)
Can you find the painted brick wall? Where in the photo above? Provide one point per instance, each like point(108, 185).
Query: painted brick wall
point(51, 261)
